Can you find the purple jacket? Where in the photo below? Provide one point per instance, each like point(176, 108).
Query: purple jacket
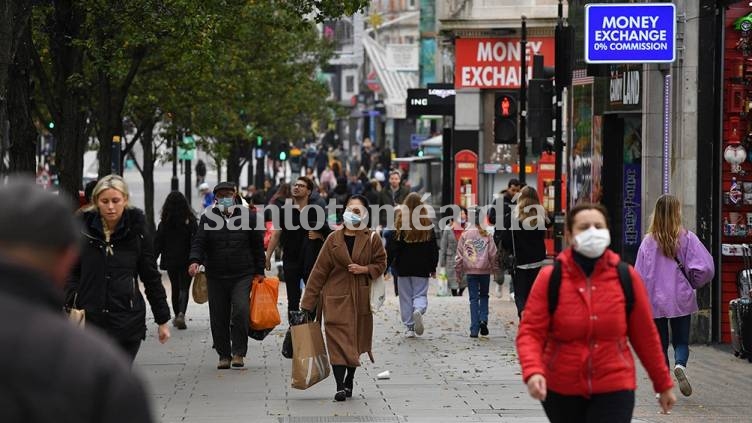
point(671, 294)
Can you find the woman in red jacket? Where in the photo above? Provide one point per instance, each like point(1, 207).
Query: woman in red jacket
point(577, 360)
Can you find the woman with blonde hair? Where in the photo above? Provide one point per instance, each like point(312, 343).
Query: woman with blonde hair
point(413, 250)
point(673, 263)
point(118, 249)
point(526, 239)
point(476, 262)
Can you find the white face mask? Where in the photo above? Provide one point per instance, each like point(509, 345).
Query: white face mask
point(593, 242)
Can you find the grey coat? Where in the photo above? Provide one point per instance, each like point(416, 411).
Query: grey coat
point(448, 249)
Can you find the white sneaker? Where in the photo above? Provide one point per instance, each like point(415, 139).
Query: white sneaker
point(681, 377)
point(418, 323)
point(409, 333)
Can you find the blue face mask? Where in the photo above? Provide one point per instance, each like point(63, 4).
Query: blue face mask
point(351, 217)
point(226, 202)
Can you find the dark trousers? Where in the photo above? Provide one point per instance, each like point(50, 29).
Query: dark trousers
point(180, 281)
point(523, 282)
point(293, 275)
point(228, 301)
point(612, 407)
point(343, 376)
point(130, 348)
point(680, 327)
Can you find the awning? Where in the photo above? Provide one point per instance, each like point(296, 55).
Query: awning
point(395, 83)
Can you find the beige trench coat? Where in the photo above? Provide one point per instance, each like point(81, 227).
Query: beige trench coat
point(345, 297)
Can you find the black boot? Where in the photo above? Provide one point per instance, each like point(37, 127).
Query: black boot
point(339, 377)
point(349, 381)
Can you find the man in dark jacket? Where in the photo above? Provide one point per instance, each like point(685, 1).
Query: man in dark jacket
point(232, 257)
point(300, 246)
point(52, 371)
point(392, 195)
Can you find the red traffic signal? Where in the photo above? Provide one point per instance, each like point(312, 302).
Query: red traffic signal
point(505, 118)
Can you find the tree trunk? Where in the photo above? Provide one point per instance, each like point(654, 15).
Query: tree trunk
point(65, 98)
point(23, 133)
point(147, 142)
point(109, 117)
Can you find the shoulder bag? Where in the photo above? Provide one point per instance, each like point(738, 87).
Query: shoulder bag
point(378, 290)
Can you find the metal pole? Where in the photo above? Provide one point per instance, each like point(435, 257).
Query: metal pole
point(558, 147)
point(523, 100)
point(115, 157)
point(175, 184)
point(188, 185)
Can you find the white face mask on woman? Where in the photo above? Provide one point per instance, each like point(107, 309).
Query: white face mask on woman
point(593, 242)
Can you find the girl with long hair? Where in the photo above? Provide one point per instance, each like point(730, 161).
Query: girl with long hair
point(476, 262)
point(526, 239)
point(413, 251)
point(173, 242)
point(673, 263)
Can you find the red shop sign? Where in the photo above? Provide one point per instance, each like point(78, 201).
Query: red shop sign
point(495, 62)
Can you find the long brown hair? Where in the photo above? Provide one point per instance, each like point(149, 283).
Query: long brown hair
point(411, 205)
point(666, 224)
point(528, 197)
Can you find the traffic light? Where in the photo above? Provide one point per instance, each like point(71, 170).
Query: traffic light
point(540, 104)
point(259, 141)
point(51, 125)
point(284, 151)
point(505, 118)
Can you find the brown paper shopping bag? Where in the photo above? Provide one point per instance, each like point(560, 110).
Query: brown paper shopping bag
point(310, 362)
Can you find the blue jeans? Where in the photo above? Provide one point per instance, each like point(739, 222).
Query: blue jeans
point(477, 287)
point(679, 337)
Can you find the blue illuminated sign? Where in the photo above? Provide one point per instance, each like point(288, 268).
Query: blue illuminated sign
point(630, 33)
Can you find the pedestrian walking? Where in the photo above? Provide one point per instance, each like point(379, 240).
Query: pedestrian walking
point(392, 195)
point(525, 238)
point(340, 282)
point(673, 263)
point(504, 204)
point(206, 195)
point(79, 376)
point(300, 246)
point(118, 248)
point(173, 243)
point(581, 317)
point(448, 251)
point(232, 258)
point(476, 261)
point(414, 253)
point(200, 172)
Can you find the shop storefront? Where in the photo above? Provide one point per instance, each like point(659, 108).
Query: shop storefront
point(736, 168)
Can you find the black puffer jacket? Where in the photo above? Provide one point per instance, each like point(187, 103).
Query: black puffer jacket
point(79, 376)
point(106, 286)
point(173, 243)
point(228, 253)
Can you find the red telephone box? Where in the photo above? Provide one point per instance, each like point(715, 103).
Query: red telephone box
point(466, 178)
point(546, 178)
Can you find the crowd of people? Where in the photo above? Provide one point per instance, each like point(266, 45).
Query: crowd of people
point(579, 311)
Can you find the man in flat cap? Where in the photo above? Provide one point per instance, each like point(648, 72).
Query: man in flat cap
point(232, 257)
point(51, 370)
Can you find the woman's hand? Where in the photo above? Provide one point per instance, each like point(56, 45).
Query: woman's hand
point(193, 269)
point(357, 269)
point(313, 235)
point(536, 387)
point(164, 333)
point(667, 399)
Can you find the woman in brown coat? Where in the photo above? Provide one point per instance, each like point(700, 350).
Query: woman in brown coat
point(340, 283)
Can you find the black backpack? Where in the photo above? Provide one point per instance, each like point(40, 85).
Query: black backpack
point(554, 284)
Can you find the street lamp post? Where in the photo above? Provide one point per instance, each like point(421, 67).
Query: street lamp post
point(523, 101)
point(175, 184)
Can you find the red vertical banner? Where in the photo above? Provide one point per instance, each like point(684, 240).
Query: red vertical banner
point(466, 178)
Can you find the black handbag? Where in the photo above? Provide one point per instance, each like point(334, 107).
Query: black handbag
point(296, 318)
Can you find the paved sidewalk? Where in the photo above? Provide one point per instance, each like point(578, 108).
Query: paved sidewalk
point(443, 376)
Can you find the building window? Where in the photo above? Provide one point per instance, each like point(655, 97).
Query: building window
point(411, 4)
point(409, 39)
point(350, 84)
